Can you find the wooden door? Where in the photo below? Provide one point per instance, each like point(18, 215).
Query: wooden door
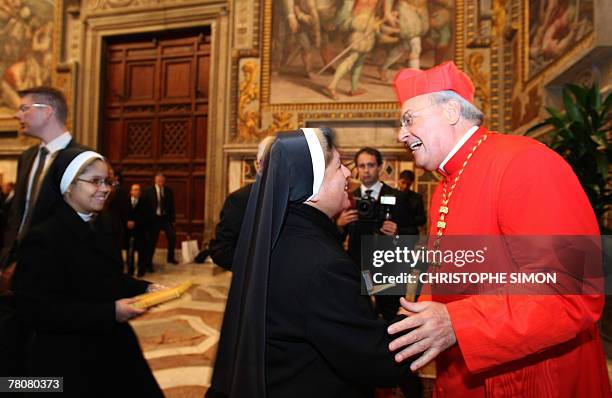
point(155, 113)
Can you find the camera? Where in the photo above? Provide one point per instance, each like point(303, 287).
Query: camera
point(367, 209)
point(370, 210)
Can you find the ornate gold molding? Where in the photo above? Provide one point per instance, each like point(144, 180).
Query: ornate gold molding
point(511, 60)
point(94, 5)
point(105, 7)
point(478, 26)
point(481, 81)
point(349, 115)
point(243, 23)
point(459, 33)
point(249, 119)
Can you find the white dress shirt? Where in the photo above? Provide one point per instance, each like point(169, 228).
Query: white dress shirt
point(376, 188)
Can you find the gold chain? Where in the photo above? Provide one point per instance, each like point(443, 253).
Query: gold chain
point(441, 224)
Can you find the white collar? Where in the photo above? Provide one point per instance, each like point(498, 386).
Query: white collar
point(375, 188)
point(59, 142)
point(457, 146)
point(85, 216)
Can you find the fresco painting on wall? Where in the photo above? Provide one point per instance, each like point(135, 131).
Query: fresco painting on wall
point(334, 51)
point(555, 27)
point(26, 37)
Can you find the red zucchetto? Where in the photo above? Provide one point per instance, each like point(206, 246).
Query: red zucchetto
point(410, 83)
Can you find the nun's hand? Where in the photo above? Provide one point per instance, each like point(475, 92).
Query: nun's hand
point(124, 310)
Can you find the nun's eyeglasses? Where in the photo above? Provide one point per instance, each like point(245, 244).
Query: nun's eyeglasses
point(98, 182)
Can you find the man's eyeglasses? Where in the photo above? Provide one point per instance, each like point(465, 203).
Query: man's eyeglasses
point(24, 108)
point(98, 182)
point(407, 119)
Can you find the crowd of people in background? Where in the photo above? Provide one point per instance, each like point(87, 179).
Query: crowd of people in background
point(138, 215)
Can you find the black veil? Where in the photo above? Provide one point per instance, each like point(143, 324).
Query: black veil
point(292, 173)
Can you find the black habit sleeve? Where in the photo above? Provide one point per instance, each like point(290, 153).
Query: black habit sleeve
point(345, 329)
point(41, 282)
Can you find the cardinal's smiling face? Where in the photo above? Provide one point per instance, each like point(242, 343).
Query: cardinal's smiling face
point(427, 130)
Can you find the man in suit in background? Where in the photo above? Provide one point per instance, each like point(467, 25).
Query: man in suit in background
point(406, 179)
point(161, 202)
point(137, 228)
point(369, 163)
point(42, 114)
point(223, 246)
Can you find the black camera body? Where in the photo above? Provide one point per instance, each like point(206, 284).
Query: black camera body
point(370, 210)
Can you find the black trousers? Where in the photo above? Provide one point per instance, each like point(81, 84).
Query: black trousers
point(162, 223)
point(136, 243)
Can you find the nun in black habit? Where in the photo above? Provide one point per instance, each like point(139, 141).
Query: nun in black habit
point(295, 324)
point(71, 291)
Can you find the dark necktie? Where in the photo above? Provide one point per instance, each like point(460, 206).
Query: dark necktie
point(162, 201)
point(42, 157)
point(368, 193)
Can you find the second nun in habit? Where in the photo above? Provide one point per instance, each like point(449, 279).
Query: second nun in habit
point(71, 290)
point(295, 323)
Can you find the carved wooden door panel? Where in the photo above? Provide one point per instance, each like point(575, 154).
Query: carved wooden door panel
point(155, 117)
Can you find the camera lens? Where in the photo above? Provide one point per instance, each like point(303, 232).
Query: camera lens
point(363, 206)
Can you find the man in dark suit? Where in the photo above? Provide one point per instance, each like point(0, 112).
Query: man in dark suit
point(223, 246)
point(369, 163)
point(42, 114)
point(137, 228)
point(406, 179)
point(161, 202)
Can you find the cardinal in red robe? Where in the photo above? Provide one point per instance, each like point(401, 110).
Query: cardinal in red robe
point(504, 345)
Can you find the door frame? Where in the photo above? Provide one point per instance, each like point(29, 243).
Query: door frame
point(96, 27)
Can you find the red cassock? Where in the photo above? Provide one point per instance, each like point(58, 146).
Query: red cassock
point(516, 345)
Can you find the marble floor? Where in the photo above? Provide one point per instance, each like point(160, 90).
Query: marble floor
point(179, 338)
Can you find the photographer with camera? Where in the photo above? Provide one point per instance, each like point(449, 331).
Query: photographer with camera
point(379, 209)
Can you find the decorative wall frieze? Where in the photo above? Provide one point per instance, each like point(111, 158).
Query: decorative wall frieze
point(102, 7)
point(243, 24)
point(347, 115)
point(478, 23)
point(477, 66)
point(249, 115)
point(96, 5)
